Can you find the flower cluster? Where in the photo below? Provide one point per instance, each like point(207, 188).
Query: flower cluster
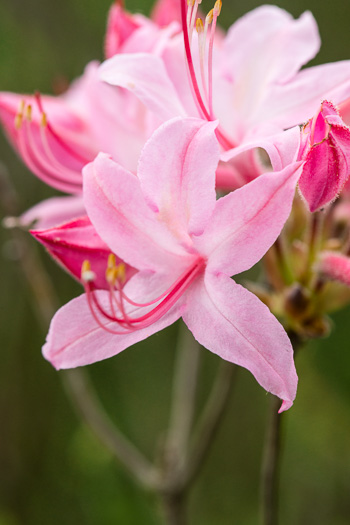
point(181, 155)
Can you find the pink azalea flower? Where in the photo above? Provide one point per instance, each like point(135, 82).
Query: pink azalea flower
point(76, 241)
point(57, 136)
point(326, 150)
point(167, 224)
point(250, 80)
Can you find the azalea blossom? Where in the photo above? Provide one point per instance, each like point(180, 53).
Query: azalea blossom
point(167, 224)
point(57, 136)
point(250, 80)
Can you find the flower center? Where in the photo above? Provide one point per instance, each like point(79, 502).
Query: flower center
point(122, 310)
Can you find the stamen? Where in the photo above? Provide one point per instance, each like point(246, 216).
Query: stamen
point(193, 79)
point(19, 115)
point(215, 14)
point(115, 277)
point(39, 151)
point(186, 17)
point(201, 48)
point(87, 275)
point(29, 113)
point(64, 179)
point(193, 18)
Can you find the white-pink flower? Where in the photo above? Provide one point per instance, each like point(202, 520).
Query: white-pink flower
point(167, 224)
point(250, 80)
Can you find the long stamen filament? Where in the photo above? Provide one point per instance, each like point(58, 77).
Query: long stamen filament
point(161, 305)
point(216, 12)
point(186, 17)
point(40, 155)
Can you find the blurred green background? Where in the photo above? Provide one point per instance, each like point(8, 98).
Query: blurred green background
point(52, 468)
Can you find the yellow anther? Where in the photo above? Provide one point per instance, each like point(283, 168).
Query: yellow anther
point(116, 273)
point(44, 120)
point(209, 17)
point(217, 7)
point(21, 106)
point(111, 260)
point(87, 274)
point(111, 275)
point(29, 113)
point(121, 273)
point(86, 266)
point(190, 2)
point(199, 25)
point(18, 120)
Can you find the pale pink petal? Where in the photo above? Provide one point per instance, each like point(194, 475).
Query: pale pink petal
point(335, 266)
point(72, 243)
point(179, 181)
point(145, 76)
point(52, 212)
point(246, 222)
point(264, 47)
point(119, 122)
point(121, 216)
point(298, 100)
point(75, 338)
point(120, 26)
point(151, 39)
point(232, 322)
point(166, 11)
point(282, 148)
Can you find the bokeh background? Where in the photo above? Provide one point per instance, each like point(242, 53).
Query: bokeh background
point(52, 468)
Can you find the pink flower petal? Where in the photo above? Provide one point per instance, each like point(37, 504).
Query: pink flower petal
point(75, 339)
point(166, 11)
point(264, 47)
point(120, 26)
point(293, 103)
point(282, 148)
point(52, 212)
point(145, 76)
point(178, 182)
point(118, 210)
point(246, 222)
point(231, 322)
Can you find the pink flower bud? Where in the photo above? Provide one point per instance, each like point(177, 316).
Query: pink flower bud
point(326, 151)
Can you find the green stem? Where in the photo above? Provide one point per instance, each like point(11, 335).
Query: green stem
point(272, 453)
point(270, 465)
point(210, 419)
